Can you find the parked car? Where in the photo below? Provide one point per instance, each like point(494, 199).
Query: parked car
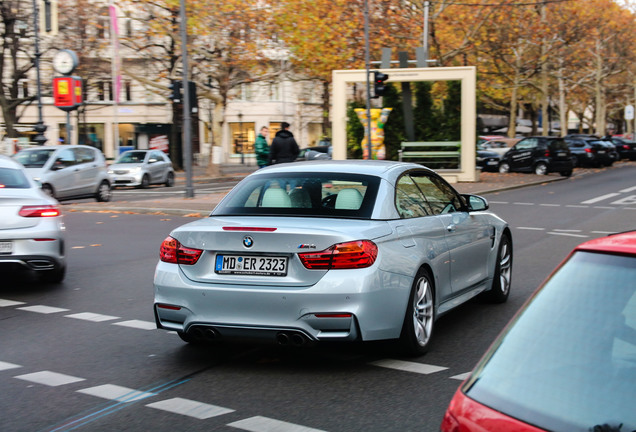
point(68, 171)
point(32, 230)
point(591, 151)
point(540, 154)
point(626, 148)
point(488, 160)
point(567, 361)
point(322, 152)
point(141, 168)
point(321, 251)
point(498, 145)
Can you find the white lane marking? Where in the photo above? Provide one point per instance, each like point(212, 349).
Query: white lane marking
point(408, 366)
point(43, 309)
point(567, 230)
point(628, 190)
point(568, 234)
point(89, 316)
point(52, 379)
point(603, 232)
point(498, 202)
point(461, 377)
point(576, 206)
point(264, 424)
point(522, 203)
point(138, 324)
point(605, 208)
point(115, 392)
point(531, 228)
point(190, 408)
point(5, 303)
point(600, 198)
point(6, 366)
point(550, 205)
point(626, 201)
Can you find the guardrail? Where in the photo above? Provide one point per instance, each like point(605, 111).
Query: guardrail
point(436, 154)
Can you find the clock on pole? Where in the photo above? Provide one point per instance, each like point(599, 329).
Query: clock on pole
point(65, 61)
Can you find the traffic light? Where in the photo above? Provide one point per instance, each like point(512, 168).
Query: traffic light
point(192, 95)
point(378, 83)
point(175, 86)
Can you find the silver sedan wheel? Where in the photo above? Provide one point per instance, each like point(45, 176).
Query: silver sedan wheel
point(423, 311)
point(502, 278)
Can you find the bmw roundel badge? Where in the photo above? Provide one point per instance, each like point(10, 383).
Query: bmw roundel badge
point(248, 241)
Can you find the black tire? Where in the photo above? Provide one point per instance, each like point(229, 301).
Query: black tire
point(541, 169)
point(504, 168)
point(566, 173)
point(54, 276)
point(48, 189)
point(170, 179)
point(503, 272)
point(419, 319)
point(145, 182)
point(104, 192)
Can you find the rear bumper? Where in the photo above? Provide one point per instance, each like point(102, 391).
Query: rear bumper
point(346, 306)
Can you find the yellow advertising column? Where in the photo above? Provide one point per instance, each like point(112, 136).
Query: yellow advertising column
point(379, 117)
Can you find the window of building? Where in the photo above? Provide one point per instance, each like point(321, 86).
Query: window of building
point(243, 137)
point(128, 90)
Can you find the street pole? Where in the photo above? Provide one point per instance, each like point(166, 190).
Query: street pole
point(367, 61)
point(40, 127)
point(187, 132)
point(425, 31)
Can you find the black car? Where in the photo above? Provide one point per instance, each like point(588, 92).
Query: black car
point(540, 155)
point(591, 151)
point(488, 160)
point(626, 149)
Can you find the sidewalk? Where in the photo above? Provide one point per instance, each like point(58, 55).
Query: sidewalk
point(203, 203)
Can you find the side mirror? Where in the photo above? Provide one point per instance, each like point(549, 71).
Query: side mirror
point(476, 203)
point(153, 160)
point(57, 165)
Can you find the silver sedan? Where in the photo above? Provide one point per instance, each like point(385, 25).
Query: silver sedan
point(332, 251)
point(31, 225)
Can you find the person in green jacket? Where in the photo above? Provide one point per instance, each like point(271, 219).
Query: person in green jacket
point(261, 148)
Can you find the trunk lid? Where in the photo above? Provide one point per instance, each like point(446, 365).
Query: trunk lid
point(277, 239)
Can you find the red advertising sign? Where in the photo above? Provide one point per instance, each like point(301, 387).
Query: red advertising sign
point(63, 92)
point(67, 92)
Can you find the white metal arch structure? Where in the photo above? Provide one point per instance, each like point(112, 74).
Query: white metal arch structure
point(468, 77)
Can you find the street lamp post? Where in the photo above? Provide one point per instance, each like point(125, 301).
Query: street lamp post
point(40, 127)
point(240, 140)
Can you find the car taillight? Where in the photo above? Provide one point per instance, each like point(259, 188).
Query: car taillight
point(172, 251)
point(350, 255)
point(39, 211)
point(589, 150)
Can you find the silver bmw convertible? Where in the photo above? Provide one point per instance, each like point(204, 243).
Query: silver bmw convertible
point(321, 251)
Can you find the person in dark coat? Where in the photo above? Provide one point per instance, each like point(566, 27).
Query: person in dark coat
point(284, 147)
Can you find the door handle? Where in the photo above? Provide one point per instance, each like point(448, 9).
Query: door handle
point(451, 228)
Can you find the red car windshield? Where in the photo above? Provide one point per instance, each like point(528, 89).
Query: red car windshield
point(569, 361)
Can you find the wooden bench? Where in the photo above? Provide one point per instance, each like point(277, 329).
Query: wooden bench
point(442, 154)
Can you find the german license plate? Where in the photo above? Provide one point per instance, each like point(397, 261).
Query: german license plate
point(492, 163)
point(251, 265)
point(6, 247)
point(561, 154)
point(601, 152)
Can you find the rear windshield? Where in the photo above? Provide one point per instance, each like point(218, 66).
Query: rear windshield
point(558, 144)
point(299, 194)
point(33, 158)
point(13, 179)
point(569, 361)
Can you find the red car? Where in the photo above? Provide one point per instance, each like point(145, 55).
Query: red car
point(567, 360)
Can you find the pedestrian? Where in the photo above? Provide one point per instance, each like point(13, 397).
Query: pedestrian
point(284, 147)
point(261, 148)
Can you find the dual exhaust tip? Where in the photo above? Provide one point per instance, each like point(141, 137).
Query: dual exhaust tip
point(290, 339)
point(206, 333)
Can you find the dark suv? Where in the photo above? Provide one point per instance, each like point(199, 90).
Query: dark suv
point(591, 150)
point(626, 149)
point(540, 154)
